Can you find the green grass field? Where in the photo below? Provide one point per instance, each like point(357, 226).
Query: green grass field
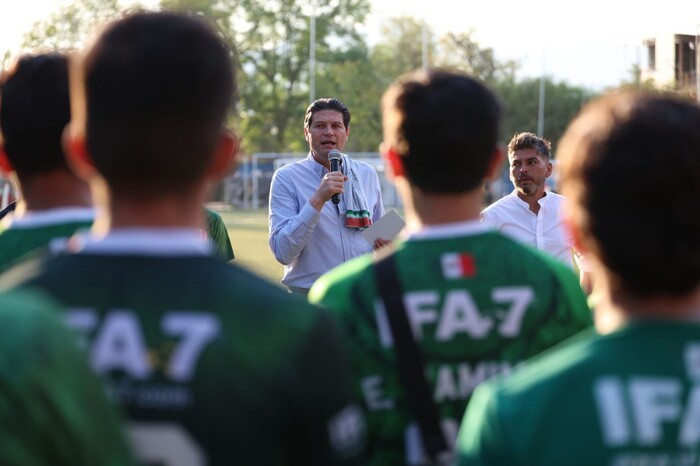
point(248, 231)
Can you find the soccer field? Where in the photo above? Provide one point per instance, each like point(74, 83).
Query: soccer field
point(248, 231)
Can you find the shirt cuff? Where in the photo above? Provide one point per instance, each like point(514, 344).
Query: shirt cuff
point(308, 215)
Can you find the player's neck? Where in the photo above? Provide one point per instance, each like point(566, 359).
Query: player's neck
point(436, 209)
point(178, 212)
point(52, 190)
point(614, 309)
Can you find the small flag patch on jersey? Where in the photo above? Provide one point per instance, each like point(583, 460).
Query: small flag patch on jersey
point(456, 265)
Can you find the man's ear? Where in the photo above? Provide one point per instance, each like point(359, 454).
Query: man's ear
point(225, 155)
point(493, 170)
point(5, 165)
point(393, 161)
point(76, 152)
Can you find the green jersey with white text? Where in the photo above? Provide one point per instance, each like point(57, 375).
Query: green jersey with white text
point(53, 410)
point(211, 364)
point(631, 397)
point(478, 302)
point(18, 237)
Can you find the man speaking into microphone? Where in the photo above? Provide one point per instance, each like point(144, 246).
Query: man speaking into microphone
point(320, 205)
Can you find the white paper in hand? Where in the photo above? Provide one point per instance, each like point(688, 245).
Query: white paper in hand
point(386, 227)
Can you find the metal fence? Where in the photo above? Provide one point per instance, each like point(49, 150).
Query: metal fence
point(249, 187)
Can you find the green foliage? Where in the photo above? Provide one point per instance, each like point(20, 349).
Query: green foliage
point(70, 26)
point(459, 51)
point(272, 40)
point(356, 82)
point(521, 104)
point(401, 51)
point(270, 43)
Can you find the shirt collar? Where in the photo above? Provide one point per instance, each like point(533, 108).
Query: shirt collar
point(42, 218)
point(448, 230)
point(541, 201)
point(140, 241)
point(315, 166)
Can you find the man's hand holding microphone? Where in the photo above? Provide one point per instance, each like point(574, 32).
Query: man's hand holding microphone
point(332, 183)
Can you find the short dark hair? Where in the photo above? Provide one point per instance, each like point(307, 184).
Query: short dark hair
point(522, 141)
point(34, 110)
point(158, 87)
point(444, 125)
point(630, 165)
point(326, 103)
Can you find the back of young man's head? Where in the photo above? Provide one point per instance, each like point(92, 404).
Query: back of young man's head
point(523, 141)
point(444, 125)
point(153, 93)
point(630, 166)
point(34, 110)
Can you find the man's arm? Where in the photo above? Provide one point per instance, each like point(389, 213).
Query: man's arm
point(292, 220)
point(219, 235)
point(292, 217)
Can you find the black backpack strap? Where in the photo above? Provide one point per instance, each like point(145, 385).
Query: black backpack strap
point(410, 361)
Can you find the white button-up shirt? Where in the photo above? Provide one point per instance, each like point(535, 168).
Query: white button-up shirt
point(545, 231)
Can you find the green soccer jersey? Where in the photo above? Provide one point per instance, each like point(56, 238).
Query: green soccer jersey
point(53, 411)
point(628, 398)
point(478, 302)
point(211, 364)
point(217, 232)
point(22, 236)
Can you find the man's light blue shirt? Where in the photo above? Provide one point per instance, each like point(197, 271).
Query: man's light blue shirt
point(307, 242)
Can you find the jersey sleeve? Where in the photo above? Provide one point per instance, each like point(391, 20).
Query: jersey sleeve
point(481, 441)
point(334, 430)
point(52, 409)
point(219, 236)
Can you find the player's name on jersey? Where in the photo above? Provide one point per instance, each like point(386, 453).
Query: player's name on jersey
point(455, 312)
point(453, 381)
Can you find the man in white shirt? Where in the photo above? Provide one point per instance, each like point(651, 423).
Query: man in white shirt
point(531, 213)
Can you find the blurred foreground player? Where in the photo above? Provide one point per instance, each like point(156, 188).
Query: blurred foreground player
point(478, 302)
point(53, 411)
point(631, 395)
point(211, 364)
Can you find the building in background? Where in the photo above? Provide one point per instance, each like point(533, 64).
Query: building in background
point(673, 62)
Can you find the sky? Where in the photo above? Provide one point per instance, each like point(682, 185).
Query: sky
point(593, 43)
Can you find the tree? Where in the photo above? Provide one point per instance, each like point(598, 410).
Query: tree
point(460, 51)
point(70, 26)
point(273, 43)
point(521, 99)
point(359, 85)
point(401, 50)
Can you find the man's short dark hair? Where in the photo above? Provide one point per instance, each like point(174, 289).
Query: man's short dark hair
point(34, 110)
point(326, 104)
point(445, 127)
point(630, 166)
point(158, 87)
point(522, 141)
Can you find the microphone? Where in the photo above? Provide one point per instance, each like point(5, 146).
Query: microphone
point(336, 160)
